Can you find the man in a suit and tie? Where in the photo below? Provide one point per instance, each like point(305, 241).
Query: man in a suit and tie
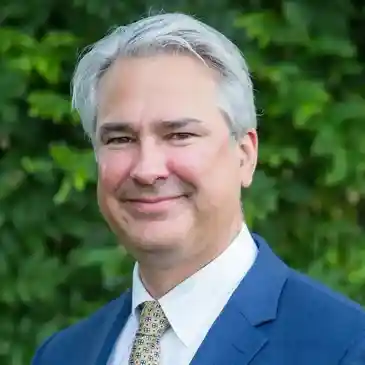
point(168, 104)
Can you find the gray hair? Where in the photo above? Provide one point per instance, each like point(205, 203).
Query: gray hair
point(166, 33)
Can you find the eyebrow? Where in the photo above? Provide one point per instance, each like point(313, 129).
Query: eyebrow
point(110, 127)
point(126, 127)
point(179, 123)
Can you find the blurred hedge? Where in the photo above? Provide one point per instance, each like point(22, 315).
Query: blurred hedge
point(58, 261)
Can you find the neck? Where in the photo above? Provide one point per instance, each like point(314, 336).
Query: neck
point(159, 280)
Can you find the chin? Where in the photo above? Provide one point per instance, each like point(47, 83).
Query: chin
point(157, 235)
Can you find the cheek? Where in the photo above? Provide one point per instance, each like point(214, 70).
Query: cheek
point(112, 170)
point(212, 171)
point(186, 167)
point(203, 160)
point(193, 166)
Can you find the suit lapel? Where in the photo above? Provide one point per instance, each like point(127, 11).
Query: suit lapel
point(111, 329)
point(235, 338)
point(231, 341)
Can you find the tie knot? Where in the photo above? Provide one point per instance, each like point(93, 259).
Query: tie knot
point(153, 321)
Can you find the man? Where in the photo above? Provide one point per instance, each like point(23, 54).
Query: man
point(168, 104)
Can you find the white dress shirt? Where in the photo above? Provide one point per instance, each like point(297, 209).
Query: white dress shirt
point(192, 306)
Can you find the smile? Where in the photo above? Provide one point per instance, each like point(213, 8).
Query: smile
point(153, 200)
point(153, 205)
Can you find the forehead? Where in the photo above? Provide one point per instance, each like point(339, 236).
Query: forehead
point(164, 87)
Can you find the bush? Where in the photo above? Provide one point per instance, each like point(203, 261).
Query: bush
point(58, 260)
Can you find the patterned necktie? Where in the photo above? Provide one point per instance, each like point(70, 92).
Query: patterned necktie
point(152, 325)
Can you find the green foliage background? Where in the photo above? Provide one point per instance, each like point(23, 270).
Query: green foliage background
point(58, 260)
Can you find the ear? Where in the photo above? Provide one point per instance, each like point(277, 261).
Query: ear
point(248, 150)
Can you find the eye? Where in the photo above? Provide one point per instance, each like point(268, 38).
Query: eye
point(119, 140)
point(180, 136)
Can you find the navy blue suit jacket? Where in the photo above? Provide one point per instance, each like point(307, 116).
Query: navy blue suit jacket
point(275, 317)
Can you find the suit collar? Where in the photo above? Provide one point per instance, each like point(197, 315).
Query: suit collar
point(235, 338)
point(257, 297)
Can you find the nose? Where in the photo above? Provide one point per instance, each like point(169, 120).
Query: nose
point(150, 165)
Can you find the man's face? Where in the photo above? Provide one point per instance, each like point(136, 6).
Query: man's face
point(170, 173)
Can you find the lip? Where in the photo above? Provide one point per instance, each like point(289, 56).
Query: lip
point(153, 205)
point(153, 200)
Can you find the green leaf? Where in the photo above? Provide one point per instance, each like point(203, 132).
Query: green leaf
point(14, 38)
point(338, 172)
point(10, 181)
point(56, 39)
point(258, 26)
point(50, 105)
point(333, 45)
point(63, 192)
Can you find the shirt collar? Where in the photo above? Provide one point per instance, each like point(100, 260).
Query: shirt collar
point(188, 306)
point(139, 292)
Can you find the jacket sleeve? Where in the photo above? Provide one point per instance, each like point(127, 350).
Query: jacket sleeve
point(355, 355)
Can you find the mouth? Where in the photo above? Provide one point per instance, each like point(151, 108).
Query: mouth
point(154, 200)
point(153, 204)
